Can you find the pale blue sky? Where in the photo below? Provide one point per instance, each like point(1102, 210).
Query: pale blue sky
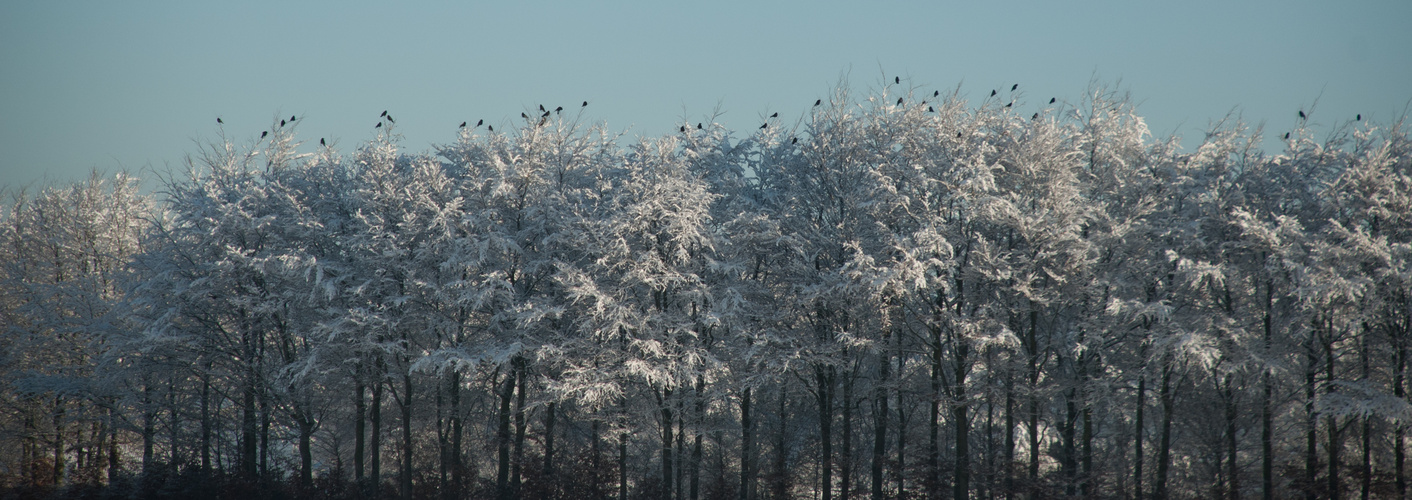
point(111, 85)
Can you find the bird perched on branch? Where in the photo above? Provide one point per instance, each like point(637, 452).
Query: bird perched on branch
point(1013, 87)
point(776, 115)
point(263, 134)
point(321, 142)
point(384, 113)
point(1301, 115)
point(936, 93)
point(698, 126)
point(930, 110)
point(1035, 117)
point(379, 125)
point(896, 79)
point(523, 115)
point(479, 122)
point(291, 118)
point(683, 129)
point(491, 127)
point(390, 120)
point(762, 126)
point(1286, 136)
point(463, 125)
point(816, 103)
point(794, 140)
point(559, 109)
point(899, 101)
point(1051, 100)
point(541, 107)
point(1359, 118)
point(218, 120)
point(281, 123)
point(585, 104)
point(992, 92)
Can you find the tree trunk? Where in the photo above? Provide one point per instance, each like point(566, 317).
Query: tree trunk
point(205, 425)
point(249, 447)
point(825, 379)
point(517, 464)
point(1164, 449)
point(846, 455)
point(359, 412)
point(306, 452)
point(549, 441)
point(502, 438)
point(1232, 451)
point(1009, 434)
point(406, 471)
point(960, 408)
point(1311, 457)
point(623, 466)
point(1137, 437)
point(747, 448)
point(880, 420)
point(1399, 429)
point(457, 462)
point(375, 439)
point(1335, 432)
point(665, 408)
point(1267, 416)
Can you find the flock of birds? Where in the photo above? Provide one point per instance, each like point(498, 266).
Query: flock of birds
point(544, 117)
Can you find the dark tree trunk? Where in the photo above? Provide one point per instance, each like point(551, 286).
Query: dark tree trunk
point(1009, 435)
point(1399, 429)
point(549, 441)
point(747, 448)
point(934, 429)
point(502, 437)
point(205, 425)
point(249, 447)
point(665, 408)
point(880, 420)
point(846, 454)
point(1335, 431)
point(306, 452)
point(359, 413)
point(623, 466)
point(960, 408)
point(1232, 450)
point(457, 463)
point(825, 379)
point(375, 439)
point(264, 436)
point(517, 463)
point(1164, 449)
point(1267, 414)
point(1311, 445)
point(406, 472)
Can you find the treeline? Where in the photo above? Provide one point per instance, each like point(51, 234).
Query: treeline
point(900, 296)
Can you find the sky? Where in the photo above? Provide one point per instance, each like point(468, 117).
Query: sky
point(137, 86)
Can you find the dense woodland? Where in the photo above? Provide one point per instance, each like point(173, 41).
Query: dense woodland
point(901, 295)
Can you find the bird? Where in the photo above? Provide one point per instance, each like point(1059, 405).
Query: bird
point(281, 123)
point(559, 109)
point(541, 107)
point(936, 93)
point(379, 125)
point(218, 119)
point(1013, 87)
point(479, 122)
point(958, 135)
point(683, 129)
point(698, 126)
point(542, 120)
point(585, 104)
point(384, 113)
point(794, 140)
point(1035, 117)
point(776, 115)
point(291, 118)
point(1301, 115)
point(545, 115)
point(389, 118)
point(1358, 118)
point(1286, 136)
point(896, 79)
point(321, 142)
point(762, 126)
point(1008, 104)
point(930, 110)
point(523, 115)
point(1051, 100)
point(463, 125)
point(899, 101)
point(263, 134)
point(992, 92)
point(491, 127)
point(816, 103)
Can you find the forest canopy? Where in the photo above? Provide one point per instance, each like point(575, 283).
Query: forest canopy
point(899, 295)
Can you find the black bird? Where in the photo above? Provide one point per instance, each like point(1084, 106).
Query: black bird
point(794, 140)
point(384, 113)
point(936, 93)
point(541, 107)
point(930, 110)
point(545, 115)
point(263, 134)
point(523, 115)
point(958, 135)
point(218, 119)
point(1359, 118)
point(896, 79)
point(698, 126)
point(389, 118)
point(1008, 104)
point(683, 129)
point(1051, 100)
point(542, 120)
point(1286, 136)
point(559, 109)
point(463, 125)
point(291, 118)
point(585, 104)
point(379, 125)
point(776, 115)
point(899, 101)
point(479, 122)
point(1301, 114)
point(816, 103)
point(992, 92)
point(492, 128)
point(762, 127)
point(1035, 117)
point(321, 142)
point(1013, 87)
point(281, 123)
